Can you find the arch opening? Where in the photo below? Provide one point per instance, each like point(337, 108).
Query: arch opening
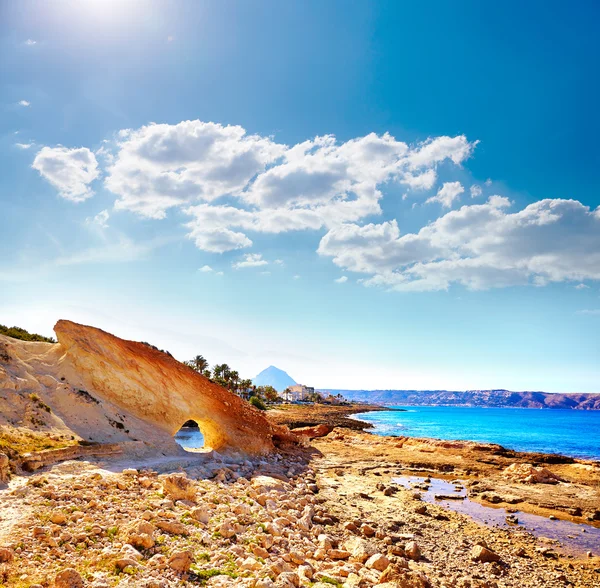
point(191, 438)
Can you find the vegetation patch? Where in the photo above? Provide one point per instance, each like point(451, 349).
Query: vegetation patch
point(23, 335)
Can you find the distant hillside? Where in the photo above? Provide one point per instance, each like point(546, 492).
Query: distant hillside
point(275, 377)
point(483, 398)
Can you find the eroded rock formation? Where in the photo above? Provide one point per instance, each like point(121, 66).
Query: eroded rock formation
point(100, 388)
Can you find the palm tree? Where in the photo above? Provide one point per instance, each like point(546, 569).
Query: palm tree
point(245, 387)
point(200, 364)
point(234, 379)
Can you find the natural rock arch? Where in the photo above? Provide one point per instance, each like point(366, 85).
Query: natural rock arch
point(157, 389)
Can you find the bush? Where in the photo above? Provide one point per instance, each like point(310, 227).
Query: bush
point(19, 333)
point(258, 403)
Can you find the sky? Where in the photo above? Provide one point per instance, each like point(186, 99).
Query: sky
point(367, 195)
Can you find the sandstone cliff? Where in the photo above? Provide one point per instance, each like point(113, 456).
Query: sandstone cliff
point(94, 387)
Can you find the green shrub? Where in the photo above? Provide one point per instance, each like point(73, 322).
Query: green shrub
point(258, 403)
point(19, 333)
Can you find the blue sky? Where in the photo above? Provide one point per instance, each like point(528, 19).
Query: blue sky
point(367, 194)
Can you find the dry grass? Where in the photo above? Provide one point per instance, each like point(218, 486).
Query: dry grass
point(16, 442)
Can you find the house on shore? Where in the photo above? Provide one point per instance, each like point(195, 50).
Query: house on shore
point(297, 393)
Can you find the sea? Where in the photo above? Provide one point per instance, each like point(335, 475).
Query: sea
point(575, 433)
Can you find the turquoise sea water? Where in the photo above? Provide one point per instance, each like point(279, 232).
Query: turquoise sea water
point(568, 432)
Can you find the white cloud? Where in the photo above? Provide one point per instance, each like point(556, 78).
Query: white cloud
point(69, 170)
point(24, 103)
point(279, 262)
point(206, 269)
point(160, 166)
point(296, 277)
point(581, 287)
point(265, 273)
point(23, 145)
point(30, 42)
point(476, 191)
point(591, 312)
point(488, 182)
point(341, 279)
point(447, 194)
point(270, 187)
point(218, 240)
point(100, 220)
point(250, 260)
point(479, 246)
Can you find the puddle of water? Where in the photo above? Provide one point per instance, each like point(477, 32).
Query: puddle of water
point(574, 538)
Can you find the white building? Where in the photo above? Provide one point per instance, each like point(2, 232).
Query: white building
point(297, 392)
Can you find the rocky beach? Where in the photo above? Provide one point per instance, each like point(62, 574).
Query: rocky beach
point(86, 503)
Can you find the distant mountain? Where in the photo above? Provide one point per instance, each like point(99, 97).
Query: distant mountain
point(275, 377)
point(483, 398)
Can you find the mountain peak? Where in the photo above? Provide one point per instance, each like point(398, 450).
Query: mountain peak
point(273, 376)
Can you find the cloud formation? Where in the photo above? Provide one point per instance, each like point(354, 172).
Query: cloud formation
point(70, 171)
point(232, 186)
point(250, 260)
point(480, 246)
point(447, 194)
point(272, 188)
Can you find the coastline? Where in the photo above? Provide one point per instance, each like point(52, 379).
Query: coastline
point(328, 512)
point(480, 464)
point(300, 415)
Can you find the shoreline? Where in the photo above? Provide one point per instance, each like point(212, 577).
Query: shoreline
point(328, 512)
point(482, 464)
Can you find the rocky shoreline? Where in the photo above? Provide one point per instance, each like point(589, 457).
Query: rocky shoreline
point(320, 515)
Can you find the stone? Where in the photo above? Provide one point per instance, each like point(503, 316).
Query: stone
point(6, 555)
point(4, 468)
point(226, 530)
point(377, 562)
point(483, 554)
point(181, 561)
point(528, 474)
point(360, 549)
point(313, 432)
point(412, 550)
point(201, 515)
point(398, 576)
point(178, 487)
point(172, 527)
point(338, 554)
point(68, 578)
point(126, 562)
point(58, 518)
point(367, 530)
